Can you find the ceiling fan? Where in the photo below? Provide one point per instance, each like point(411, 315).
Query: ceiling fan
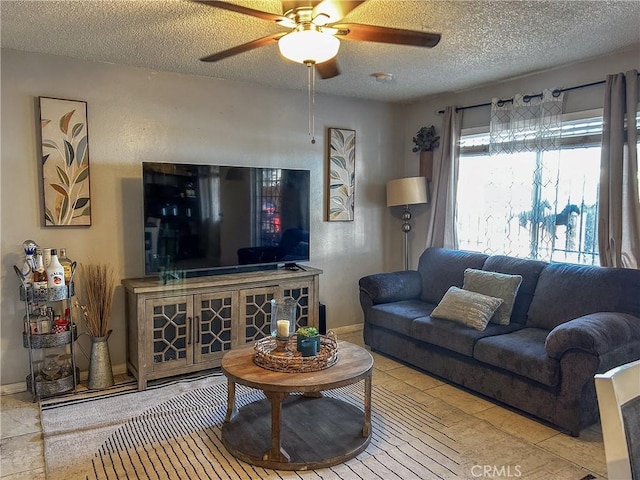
point(314, 32)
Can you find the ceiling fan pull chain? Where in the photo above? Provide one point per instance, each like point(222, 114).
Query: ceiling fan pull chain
point(313, 104)
point(311, 88)
point(309, 96)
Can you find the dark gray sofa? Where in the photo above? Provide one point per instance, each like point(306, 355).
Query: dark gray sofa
point(568, 323)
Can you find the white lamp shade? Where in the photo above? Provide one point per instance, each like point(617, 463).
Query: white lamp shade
point(309, 46)
point(406, 191)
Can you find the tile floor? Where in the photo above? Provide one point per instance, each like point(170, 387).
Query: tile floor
point(21, 446)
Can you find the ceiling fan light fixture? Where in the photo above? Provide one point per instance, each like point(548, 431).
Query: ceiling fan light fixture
point(309, 45)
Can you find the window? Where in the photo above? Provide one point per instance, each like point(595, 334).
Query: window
point(540, 205)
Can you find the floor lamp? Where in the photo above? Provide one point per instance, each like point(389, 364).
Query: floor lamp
point(406, 191)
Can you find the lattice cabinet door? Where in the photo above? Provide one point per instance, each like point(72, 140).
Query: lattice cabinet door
point(170, 333)
point(255, 318)
point(303, 294)
point(213, 323)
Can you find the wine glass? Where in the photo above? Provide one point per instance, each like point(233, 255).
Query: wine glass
point(37, 369)
point(51, 369)
point(65, 361)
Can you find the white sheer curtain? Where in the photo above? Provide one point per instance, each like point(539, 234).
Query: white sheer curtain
point(619, 206)
point(529, 123)
point(441, 231)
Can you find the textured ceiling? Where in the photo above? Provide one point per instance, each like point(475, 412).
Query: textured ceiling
point(482, 41)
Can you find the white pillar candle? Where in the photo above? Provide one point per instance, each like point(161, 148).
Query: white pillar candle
point(282, 328)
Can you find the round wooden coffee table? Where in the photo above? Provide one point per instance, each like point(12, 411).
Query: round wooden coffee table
point(297, 432)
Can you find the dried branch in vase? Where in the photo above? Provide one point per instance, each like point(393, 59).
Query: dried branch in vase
point(99, 284)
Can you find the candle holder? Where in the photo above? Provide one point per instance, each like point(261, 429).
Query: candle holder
point(283, 325)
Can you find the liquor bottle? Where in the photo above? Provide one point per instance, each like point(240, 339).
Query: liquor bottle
point(66, 264)
point(55, 271)
point(31, 320)
point(44, 321)
point(27, 268)
point(29, 265)
point(50, 314)
point(39, 274)
point(46, 256)
point(34, 325)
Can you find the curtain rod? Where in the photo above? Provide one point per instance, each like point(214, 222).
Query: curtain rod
point(527, 98)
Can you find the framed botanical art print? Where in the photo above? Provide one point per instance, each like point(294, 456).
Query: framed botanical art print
point(341, 184)
point(65, 162)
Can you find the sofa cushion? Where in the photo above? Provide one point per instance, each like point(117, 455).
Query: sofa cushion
point(440, 268)
point(455, 336)
point(529, 270)
point(469, 308)
point(520, 352)
point(398, 316)
point(568, 291)
point(494, 284)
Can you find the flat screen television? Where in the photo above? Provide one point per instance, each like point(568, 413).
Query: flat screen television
point(208, 219)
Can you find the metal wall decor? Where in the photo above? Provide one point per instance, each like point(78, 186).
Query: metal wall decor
point(65, 162)
point(341, 184)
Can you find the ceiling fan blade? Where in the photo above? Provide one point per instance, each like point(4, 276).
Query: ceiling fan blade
point(328, 69)
point(244, 10)
point(260, 42)
point(333, 10)
point(373, 33)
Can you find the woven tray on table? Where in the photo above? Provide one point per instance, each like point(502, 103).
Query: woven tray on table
point(327, 356)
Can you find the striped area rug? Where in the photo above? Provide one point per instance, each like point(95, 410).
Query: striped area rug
point(174, 432)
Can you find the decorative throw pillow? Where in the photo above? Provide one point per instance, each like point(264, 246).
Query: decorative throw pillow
point(470, 308)
point(494, 284)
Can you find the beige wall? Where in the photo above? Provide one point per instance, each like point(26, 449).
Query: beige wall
point(137, 115)
point(140, 115)
point(424, 113)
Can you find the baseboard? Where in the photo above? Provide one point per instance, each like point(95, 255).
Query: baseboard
point(12, 388)
point(355, 328)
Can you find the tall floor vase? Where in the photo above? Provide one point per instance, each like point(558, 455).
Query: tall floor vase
point(100, 372)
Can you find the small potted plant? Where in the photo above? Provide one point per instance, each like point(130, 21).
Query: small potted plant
point(308, 341)
point(425, 141)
